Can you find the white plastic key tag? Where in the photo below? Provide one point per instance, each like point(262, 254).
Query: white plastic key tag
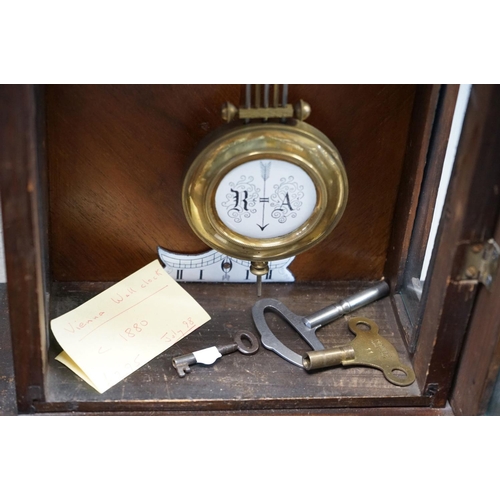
point(207, 356)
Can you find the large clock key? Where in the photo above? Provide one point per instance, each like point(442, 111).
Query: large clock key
point(266, 189)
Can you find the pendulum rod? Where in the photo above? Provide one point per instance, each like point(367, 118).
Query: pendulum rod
point(259, 269)
point(248, 99)
point(276, 95)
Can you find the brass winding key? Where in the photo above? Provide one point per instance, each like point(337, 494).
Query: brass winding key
point(367, 349)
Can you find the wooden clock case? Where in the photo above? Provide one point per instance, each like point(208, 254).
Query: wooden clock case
point(91, 181)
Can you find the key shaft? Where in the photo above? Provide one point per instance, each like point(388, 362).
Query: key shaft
point(183, 363)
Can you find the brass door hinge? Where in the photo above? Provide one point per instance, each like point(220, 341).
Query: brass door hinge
point(481, 263)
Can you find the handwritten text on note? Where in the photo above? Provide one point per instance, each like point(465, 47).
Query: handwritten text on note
point(126, 326)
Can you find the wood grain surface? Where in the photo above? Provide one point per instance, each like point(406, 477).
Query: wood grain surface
point(262, 381)
point(479, 364)
point(470, 215)
point(8, 404)
point(22, 217)
point(117, 155)
point(424, 208)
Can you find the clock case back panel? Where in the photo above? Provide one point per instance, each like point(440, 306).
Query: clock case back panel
point(117, 155)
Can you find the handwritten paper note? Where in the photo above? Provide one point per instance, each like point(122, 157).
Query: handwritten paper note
point(126, 326)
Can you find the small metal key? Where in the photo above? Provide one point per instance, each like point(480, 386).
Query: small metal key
point(210, 355)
